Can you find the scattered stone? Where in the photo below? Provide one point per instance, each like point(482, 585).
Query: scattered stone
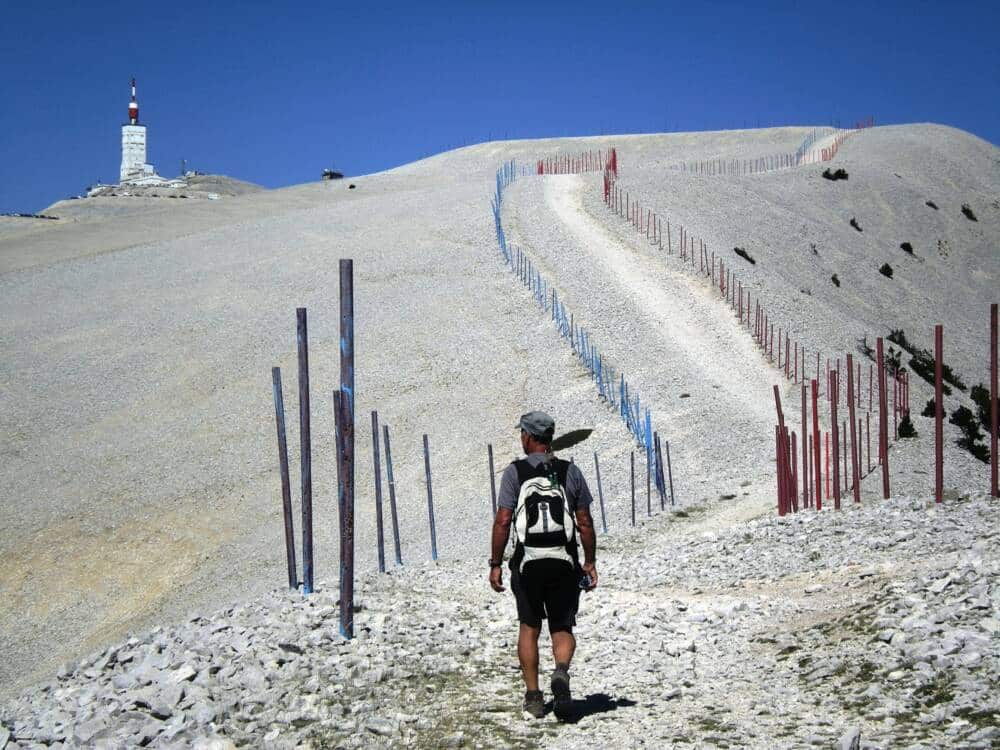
point(851, 740)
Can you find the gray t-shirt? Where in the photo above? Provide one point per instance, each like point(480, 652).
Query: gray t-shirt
point(577, 492)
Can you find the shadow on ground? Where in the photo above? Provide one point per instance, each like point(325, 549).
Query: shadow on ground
point(597, 703)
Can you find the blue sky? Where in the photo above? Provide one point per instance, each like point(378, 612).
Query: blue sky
point(274, 92)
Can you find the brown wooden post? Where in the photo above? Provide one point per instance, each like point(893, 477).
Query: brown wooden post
point(817, 475)
point(836, 439)
point(883, 418)
point(938, 415)
point(286, 487)
point(993, 401)
point(855, 473)
point(805, 454)
point(305, 450)
point(794, 495)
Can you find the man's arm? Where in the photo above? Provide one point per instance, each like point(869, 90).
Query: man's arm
point(588, 540)
point(501, 532)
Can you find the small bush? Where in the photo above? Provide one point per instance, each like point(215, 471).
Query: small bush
point(922, 363)
point(839, 174)
point(835, 280)
point(906, 428)
point(933, 205)
point(898, 337)
point(892, 363)
point(812, 246)
point(891, 357)
point(981, 398)
point(854, 223)
point(968, 212)
point(907, 247)
point(966, 422)
point(886, 270)
point(745, 255)
point(929, 409)
point(865, 349)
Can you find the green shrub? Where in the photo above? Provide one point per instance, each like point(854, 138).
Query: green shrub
point(981, 398)
point(966, 422)
point(898, 337)
point(835, 280)
point(922, 363)
point(886, 270)
point(906, 428)
point(929, 409)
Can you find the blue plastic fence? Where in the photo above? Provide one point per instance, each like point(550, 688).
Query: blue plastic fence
point(611, 386)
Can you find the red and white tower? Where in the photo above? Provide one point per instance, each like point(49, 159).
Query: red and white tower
point(134, 164)
point(133, 108)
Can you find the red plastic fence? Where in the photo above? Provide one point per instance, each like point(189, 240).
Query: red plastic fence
point(762, 328)
point(589, 161)
point(773, 162)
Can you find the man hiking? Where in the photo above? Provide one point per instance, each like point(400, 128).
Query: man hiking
point(548, 502)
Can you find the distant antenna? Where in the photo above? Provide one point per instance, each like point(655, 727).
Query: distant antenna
point(183, 167)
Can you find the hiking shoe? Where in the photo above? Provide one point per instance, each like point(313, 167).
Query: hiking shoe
point(534, 703)
point(562, 700)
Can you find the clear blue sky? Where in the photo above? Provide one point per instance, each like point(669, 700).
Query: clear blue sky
point(274, 92)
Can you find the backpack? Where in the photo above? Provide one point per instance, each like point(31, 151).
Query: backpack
point(544, 525)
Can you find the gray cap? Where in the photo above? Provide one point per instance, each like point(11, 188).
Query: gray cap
point(538, 424)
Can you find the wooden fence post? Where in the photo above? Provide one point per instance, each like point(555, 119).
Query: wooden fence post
point(379, 532)
point(632, 465)
point(305, 451)
point(286, 487)
point(670, 473)
point(493, 479)
point(430, 499)
point(938, 415)
point(600, 494)
point(817, 475)
point(346, 464)
point(883, 421)
point(855, 474)
point(993, 401)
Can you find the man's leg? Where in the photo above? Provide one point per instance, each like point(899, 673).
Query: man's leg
point(563, 647)
point(527, 654)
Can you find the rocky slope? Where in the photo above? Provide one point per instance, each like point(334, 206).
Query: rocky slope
point(708, 629)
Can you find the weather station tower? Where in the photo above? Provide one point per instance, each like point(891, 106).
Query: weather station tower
point(134, 145)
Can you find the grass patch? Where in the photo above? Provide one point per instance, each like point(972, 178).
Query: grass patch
point(939, 690)
point(980, 718)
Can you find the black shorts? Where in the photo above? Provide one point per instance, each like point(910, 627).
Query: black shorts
point(547, 589)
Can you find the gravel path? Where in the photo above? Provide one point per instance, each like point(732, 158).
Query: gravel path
point(681, 349)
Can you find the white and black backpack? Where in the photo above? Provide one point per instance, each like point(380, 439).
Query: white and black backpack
point(544, 525)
